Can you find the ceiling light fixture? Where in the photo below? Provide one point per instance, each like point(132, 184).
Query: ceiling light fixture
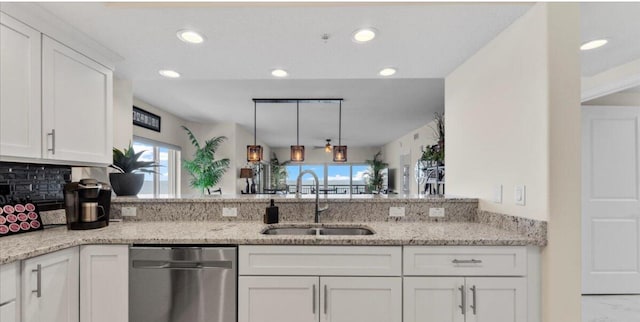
point(364, 35)
point(254, 152)
point(190, 36)
point(593, 44)
point(327, 147)
point(297, 151)
point(340, 151)
point(279, 73)
point(388, 71)
point(169, 73)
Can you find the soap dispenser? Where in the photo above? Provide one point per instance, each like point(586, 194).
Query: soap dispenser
point(271, 214)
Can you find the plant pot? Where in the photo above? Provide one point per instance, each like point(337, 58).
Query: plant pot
point(126, 184)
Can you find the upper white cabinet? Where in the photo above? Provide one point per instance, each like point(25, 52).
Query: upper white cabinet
point(50, 287)
point(77, 105)
point(56, 104)
point(104, 283)
point(20, 103)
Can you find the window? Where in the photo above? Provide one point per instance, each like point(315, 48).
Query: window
point(334, 178)
point(167, 179)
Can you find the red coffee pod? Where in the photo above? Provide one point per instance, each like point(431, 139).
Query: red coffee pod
point(3, 229)
point(12, 218)
point(8, 209)
point(35, 224)
point(2, 220)
point(19, 208)
point(25, 226)
point(14, 227)
point(22, 217)
point(1, 211)
point(33, 216)
point(30, 207)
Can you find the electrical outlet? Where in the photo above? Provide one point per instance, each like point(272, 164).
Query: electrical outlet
point(396, 211)
point(497, 193)
point(229, 212)
point(436, 212)
point(520, 195)
point(128, 211)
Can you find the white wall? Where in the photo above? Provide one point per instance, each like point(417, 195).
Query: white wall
point(122, 116)
point(409, 145)
point(513, 117)
point(170, 127)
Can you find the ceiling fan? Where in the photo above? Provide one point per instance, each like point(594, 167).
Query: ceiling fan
point(327, 147)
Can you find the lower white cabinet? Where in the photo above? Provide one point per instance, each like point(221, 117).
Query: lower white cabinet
point(104, 283)
point(9, 291)
point(50, 287)
point(313, 299)
point(465, 299)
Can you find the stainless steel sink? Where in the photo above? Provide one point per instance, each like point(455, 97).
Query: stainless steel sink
point(326, 231)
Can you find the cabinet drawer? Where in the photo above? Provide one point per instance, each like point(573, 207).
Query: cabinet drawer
point(8, 282)
point(320, 260)
point(465, 261)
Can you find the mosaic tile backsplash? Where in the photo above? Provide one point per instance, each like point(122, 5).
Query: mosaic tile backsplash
point(40, 183)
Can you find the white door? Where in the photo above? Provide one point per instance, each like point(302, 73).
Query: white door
point(104, 287)
point(496, 299)
point(361, 299)
point(281, 299)
point(433, 299)
point(20, 105)
point(77, 95)
point(610, 202)
point(50, 287)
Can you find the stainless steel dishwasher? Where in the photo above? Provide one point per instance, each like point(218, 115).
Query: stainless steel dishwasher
point(182, 284)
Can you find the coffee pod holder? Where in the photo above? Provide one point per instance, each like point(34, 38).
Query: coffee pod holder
point(18, 216)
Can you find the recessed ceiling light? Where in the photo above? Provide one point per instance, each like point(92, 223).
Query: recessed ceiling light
point(364, 35)
point(190, 36)
point(387, 71)
point(593, 44)
point(279, 73)
point(169, 73)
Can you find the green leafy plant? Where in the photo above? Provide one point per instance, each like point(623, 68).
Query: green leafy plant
point(278, 172)
point(204, 169)
point(126, 161)
point(375, 174)
point(434, 153)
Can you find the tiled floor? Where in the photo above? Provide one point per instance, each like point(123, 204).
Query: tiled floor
point(610, 308)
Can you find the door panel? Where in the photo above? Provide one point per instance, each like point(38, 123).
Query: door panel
point(433, 299)
point(281, 299)
point(361, 299)
point(610, 201)
point(496, 299)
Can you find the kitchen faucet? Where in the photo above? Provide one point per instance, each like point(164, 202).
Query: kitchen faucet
point(299, 193)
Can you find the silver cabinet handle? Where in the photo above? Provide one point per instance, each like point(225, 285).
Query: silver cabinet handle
point(38, 272)
point(313, 299)
point(463, 306)
point(181, 265)
point(466, 261)
point(473, 297)
point(326, 299)
point(53, 141)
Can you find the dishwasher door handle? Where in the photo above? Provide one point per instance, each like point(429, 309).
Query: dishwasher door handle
point(181, 265)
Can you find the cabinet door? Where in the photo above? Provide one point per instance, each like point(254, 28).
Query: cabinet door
point(50, 287)
point(8, 312)
point(361, 299)
point(20, 104)
point(496, 299)
point(281, 299)
point(104, 291)
point(77, 95)
point(433, 299)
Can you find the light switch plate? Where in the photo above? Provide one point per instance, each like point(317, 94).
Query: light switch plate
point(128, 211)
point(229, 212)
point(436, 212)
point(396, 211)
point(497, 193)
point(520, 195)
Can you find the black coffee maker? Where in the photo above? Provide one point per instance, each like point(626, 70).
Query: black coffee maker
point(87, 204)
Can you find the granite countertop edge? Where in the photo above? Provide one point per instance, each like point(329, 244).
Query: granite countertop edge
point(23, 246)
point(293, 199)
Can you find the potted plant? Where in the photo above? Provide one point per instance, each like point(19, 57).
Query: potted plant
point(204, 169)
point(375, 174)
point(278, 173)
point(130, 176)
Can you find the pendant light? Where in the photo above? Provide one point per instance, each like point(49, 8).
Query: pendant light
point(327, 147)
point(340, 151)
point(297, 151)
point(254, 152)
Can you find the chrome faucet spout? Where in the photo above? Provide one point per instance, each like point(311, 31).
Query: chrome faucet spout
point(317, 185)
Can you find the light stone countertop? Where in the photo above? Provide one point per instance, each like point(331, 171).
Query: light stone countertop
point(32, 244)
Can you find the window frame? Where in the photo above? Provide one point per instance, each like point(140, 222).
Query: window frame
point(174, 161)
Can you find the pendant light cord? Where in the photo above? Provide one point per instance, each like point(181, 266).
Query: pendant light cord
point(298, 123)
point(255, 120)
point(340, 125)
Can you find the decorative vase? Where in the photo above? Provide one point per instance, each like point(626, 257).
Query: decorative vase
point(126, 184)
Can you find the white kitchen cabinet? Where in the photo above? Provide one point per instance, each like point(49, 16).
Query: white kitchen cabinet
point(496, 299)
point(50, 287)
point(433, 299)
point(278, 298)
point(104, 283)
point(9, 291)
point(8, 312)
point(20, 103)
point(361, 299)
point(77, 106)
